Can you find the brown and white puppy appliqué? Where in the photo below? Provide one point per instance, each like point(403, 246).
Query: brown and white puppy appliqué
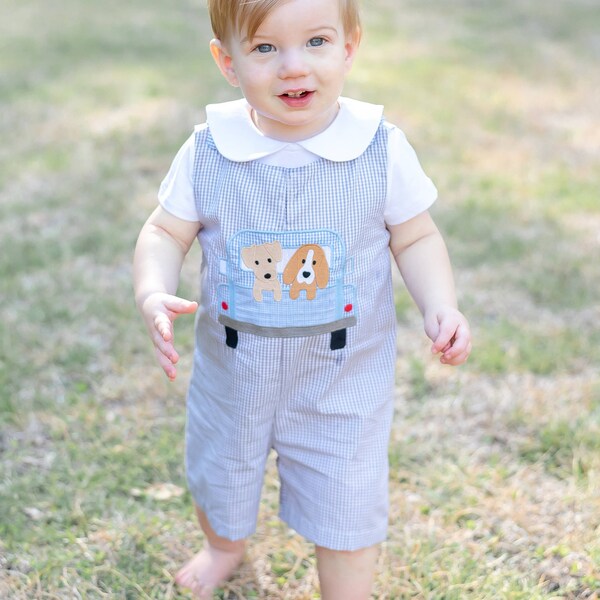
point(306, 270)
point(262, 260)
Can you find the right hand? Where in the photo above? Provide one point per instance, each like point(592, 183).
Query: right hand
point(159, 311)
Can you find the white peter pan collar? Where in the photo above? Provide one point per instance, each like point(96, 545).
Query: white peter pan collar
point(238, 139)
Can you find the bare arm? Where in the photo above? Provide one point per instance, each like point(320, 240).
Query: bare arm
point(161, 248)
point(421, 256)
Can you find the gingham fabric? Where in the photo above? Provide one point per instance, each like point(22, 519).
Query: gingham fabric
point(327, 413)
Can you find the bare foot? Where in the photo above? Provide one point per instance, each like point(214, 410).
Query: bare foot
point(208, 569)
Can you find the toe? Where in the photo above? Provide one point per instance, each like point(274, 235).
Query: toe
point(185, 578)
point(202, 592)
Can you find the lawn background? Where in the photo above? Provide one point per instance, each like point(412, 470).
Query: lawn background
point(495, 480)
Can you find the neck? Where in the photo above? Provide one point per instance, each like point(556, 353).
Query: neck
point(293, 134)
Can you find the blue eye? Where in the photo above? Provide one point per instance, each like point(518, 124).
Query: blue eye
point(316, 42)
point(264, 48)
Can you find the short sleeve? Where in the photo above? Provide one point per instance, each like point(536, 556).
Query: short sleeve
point(176, 193)
point(410, 192)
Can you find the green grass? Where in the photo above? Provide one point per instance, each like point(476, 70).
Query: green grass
point(507, 347)
point(493, 467)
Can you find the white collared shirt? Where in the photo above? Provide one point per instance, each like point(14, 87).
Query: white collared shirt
point(409, 190)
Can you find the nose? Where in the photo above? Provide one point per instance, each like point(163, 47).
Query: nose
point(293, 64)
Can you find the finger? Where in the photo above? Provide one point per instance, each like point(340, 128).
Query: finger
point(167, 366)
point(180, 305)
point(164, 326)
point(454, 357)
point(444, 338)
point(460, 336)
point(166, 348)
point(461, 340)
point(455, 360)
point(446, 347)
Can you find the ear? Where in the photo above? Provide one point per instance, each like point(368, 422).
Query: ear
point(247, 256)
point(292, 268)
point(224, 61)
point(351, 47)
point(275, 248)
point(322, 270)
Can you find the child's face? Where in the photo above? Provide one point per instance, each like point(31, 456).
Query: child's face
point(292, 72)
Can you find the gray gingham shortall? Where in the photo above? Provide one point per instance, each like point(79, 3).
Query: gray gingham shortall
point(295, 344)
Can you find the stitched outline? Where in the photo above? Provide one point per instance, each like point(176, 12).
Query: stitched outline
point(342, 294)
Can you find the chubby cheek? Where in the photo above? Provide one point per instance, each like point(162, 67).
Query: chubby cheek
point(333, 73)
point(254, 81)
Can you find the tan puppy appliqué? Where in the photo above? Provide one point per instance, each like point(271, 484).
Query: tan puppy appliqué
point(262, 260)
point(306, 270)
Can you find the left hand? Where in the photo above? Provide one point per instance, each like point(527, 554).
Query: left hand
point(449, 331)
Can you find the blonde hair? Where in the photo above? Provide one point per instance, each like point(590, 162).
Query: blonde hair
point(229, 16)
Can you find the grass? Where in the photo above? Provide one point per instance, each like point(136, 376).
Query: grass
point(495, 467)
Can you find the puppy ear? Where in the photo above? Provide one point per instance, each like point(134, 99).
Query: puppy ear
point(292, 268)
point(273, 250)
point(321, 268)
point(247, 256)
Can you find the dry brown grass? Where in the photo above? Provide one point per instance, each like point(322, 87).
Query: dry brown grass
point(495, 467)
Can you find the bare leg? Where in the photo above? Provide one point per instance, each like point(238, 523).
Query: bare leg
point(214, 564)
point(347, 575)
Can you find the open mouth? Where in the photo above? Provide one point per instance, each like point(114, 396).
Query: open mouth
point(297, 98)
point(298, 94)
